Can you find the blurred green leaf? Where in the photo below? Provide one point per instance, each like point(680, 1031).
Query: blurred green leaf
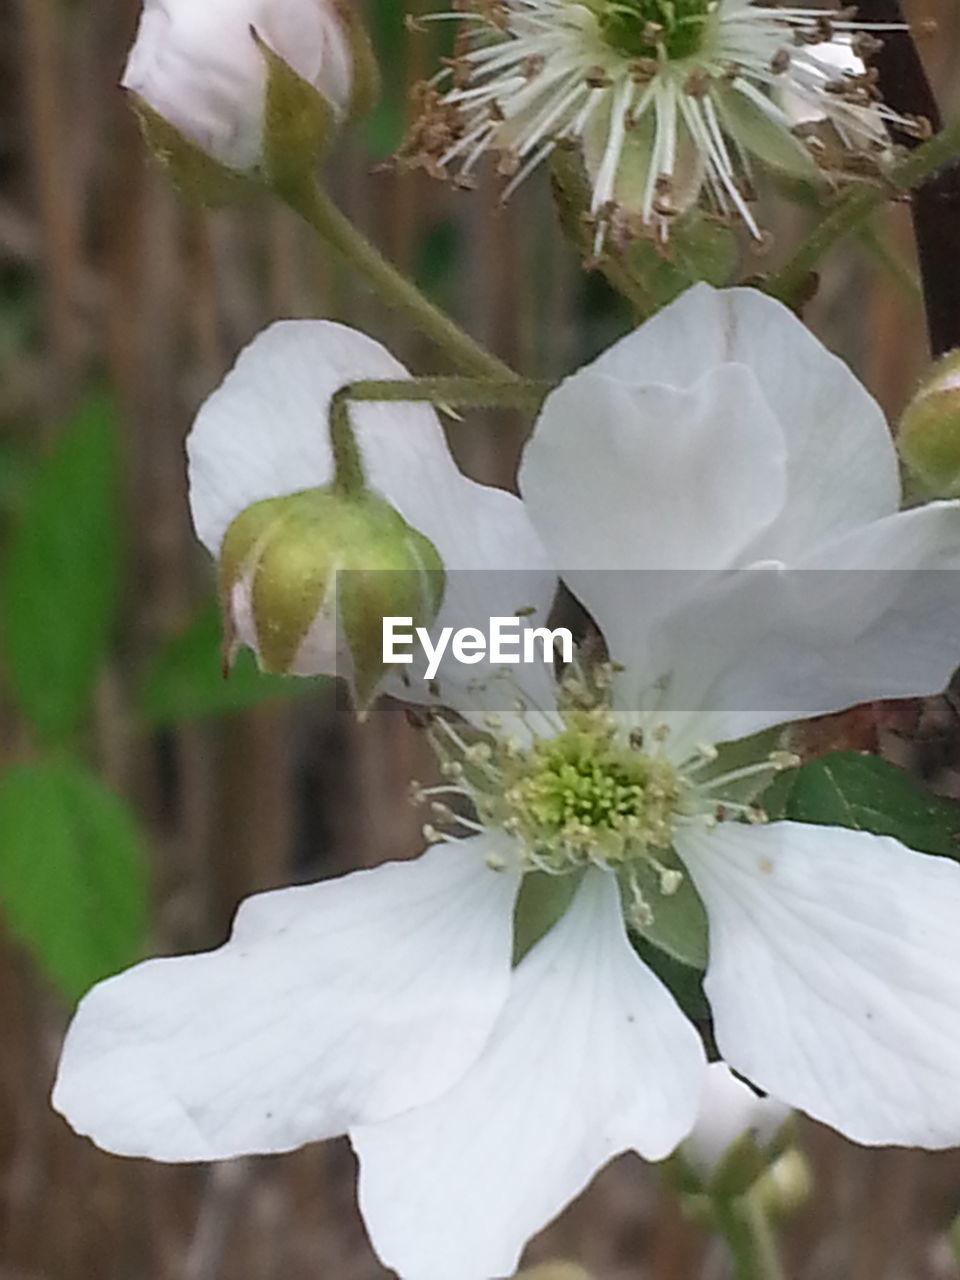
point(72, 873)
point(187, 680)
point(59, 591)
point(849, 789)
point(384, 126)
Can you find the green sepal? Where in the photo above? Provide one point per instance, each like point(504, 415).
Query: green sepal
point(365, 71)
point(679, 924)
point(771, 141)
point(299, 124)
point(193, 171)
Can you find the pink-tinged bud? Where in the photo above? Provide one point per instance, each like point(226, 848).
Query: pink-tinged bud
point(929, 433)
point(200, 67)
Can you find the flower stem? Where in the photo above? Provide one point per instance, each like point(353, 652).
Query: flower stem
point(750, 1238)
point(787, 284)
point(315, 207)
point(444, 392)
point(452, 392)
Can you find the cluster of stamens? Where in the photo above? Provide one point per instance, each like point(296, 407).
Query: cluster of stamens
point(577, 787)
point(648, 91)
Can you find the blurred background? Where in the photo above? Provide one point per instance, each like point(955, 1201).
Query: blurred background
point(143, 795)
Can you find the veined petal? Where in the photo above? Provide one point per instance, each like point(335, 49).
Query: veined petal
point(591, 1057)
point(841, 466)
point(667, 480)
point(834, 974)
point(333, 1003)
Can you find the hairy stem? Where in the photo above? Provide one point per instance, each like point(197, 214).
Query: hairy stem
point(443, 392)
point(315, 207)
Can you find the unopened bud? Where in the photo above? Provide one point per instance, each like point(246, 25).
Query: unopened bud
point(306, 581)
point(929, 434)
point(203, 75)
point(737, 1137)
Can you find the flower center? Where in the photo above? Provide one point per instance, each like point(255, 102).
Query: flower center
point(582, 797)
point(642, 28)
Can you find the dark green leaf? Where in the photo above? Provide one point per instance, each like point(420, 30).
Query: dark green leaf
point(72, 873)
point(60, 587)
point(187, 681)
point(849, 789)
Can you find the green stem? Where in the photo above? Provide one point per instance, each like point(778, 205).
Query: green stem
point(787, 284)
point(444, 392)
point(750, 1238)
point(314, 206)
point(452, 392)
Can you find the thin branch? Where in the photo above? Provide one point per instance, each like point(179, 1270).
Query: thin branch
point(935, 205)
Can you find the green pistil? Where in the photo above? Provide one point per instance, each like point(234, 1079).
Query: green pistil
point(641, 28)
point(582, 797)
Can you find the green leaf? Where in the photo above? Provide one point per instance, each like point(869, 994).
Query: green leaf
point(187, 680)
point(72, 873)
point(849, 789)
point(59, 592)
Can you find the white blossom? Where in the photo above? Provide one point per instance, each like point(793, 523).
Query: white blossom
point(482, 1094)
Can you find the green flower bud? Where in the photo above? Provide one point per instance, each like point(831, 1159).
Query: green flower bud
point(929, 434)
point(306, 580)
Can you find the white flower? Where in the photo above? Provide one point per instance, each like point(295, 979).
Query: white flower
point(481, 1096)
point(197, 64)
point(667, 99)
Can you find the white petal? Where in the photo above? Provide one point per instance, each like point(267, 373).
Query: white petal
point(841, 466)
point(198, 66)
point(591, 1057)
point(640, 478)
point(729, 1109)
point(874, 614)
point(332, 1003)
point(834, 975)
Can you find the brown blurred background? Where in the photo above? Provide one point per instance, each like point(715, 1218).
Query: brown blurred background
point(105, 273)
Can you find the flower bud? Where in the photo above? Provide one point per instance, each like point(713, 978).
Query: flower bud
point(200, 68)
point(929, 433)
point(306, 580)
point(737, 1137)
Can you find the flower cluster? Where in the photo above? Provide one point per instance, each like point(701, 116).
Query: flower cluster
point(479, 1020)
